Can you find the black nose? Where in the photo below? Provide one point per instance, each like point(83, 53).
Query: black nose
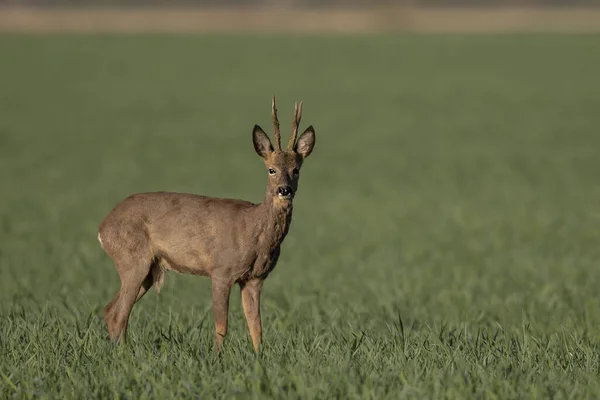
point(284, 191)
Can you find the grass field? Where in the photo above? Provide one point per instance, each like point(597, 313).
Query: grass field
point(445, 241)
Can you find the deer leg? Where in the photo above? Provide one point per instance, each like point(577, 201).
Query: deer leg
point(221, 290)
point(146, 285)
point(117, 313)
point(108, 316)
point(251, 303)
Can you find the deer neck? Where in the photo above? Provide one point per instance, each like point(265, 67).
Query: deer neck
point(275, 217)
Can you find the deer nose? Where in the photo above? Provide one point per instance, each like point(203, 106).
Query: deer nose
point(284, 191)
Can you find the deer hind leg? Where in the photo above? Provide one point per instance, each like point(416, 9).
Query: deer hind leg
point(108, 316)
point(116, 314)
point(156, 278)
point(146, 285)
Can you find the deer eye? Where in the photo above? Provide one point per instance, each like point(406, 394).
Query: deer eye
point(295, 171)
point(271, 171)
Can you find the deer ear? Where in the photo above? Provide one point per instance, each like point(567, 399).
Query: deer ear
point(306, 142)
point(262, 143)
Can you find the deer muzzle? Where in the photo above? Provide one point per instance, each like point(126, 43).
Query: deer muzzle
point(285, 193)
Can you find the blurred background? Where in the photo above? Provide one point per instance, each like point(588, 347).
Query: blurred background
point(445, 237)
point(300, 15)
point(312, 3)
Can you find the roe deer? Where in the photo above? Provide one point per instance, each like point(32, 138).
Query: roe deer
point(231, 241)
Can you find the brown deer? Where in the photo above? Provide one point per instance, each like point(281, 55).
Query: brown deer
point(231, 241)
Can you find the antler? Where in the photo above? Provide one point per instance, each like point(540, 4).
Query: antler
point(295, 125)
point(276, 126)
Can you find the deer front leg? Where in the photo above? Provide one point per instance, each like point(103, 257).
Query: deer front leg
point(251, 304)
point(220, 297)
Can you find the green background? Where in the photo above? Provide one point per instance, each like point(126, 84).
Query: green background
point(445, 236)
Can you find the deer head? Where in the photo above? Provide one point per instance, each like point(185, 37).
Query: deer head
point(283, 166)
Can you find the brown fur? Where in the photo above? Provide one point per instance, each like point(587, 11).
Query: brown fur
point(231, 241)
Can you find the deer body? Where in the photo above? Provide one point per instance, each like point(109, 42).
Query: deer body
point(231, 241)
point(192, 234)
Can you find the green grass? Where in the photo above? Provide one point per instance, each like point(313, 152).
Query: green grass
point(446, 236)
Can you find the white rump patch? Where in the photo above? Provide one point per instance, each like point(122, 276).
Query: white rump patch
point(100, 240)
